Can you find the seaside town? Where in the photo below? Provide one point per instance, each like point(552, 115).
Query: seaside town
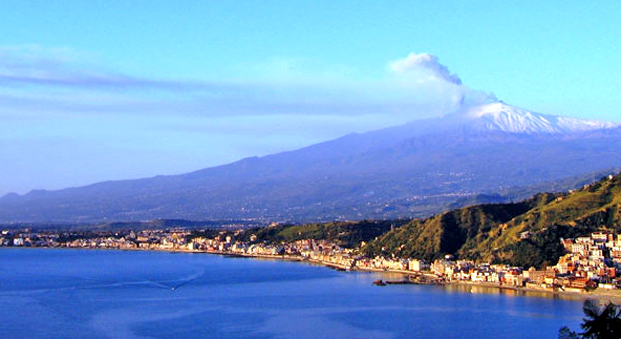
point(591, 262)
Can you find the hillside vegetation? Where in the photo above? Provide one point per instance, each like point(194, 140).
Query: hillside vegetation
point(525, 233)
point(345, 234)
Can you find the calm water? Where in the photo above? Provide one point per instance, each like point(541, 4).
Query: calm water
point(115, 294)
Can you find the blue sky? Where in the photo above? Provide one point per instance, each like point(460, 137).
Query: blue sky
point(102, 90)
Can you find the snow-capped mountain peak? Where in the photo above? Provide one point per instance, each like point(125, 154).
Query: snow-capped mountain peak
point(499, 116)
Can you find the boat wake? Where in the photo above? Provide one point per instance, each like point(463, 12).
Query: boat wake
point(174, 285)
point(94, 283)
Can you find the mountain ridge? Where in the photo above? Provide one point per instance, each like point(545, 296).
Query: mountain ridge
point(405, 171)
point(502, 117)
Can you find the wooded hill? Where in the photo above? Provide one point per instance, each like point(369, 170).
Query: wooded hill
point(346, 234)
point(525, 233)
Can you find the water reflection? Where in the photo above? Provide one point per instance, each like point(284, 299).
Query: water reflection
point(509, 292)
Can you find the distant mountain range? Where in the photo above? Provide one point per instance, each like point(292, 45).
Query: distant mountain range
point(494, 152)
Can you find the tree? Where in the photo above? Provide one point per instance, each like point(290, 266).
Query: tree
point(599, 323)
point(566, 333)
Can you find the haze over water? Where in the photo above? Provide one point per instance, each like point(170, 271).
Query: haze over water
point(115, 294)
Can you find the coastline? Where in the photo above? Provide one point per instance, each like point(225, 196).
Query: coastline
point(460, 286)
point(534, 292)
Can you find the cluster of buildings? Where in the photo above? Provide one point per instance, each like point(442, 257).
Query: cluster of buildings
point(226, 243)
point(147, 239)
point(26, 238)
point(590, 262)
point(596, 258)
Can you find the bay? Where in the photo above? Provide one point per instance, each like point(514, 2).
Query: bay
point(58, 293)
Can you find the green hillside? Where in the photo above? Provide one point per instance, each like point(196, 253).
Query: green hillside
point(346, 234)
point(495, 232)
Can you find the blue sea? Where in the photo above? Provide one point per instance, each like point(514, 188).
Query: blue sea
point(55, 293)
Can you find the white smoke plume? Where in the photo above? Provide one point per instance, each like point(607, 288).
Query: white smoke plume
point(426, 71)
point(424, 63)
